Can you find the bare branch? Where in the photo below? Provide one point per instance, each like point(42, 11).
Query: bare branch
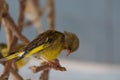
point(33, 14)
point(14, 72)
point(9, 26)
point(22, 4)
point(45, 75)
point(9, 36)
point(1, 9)
point(7, 19)
point(51, 14)
point(7, 67)
point(36, 69)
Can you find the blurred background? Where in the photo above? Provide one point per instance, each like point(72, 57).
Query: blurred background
point(97, 24)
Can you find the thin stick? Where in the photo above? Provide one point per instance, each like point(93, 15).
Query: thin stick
point(8, 31)
point(20, 22)
point(1, 9)
point(14, 71)
point(33, 13)
point(12, 26)
point(51, 14)
point(14, 29)
point(45, 75)
point(9, 24)
point(36, 69)
point(9, 38)
point(7, 68)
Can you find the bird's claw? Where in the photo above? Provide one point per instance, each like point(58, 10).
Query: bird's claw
point(53, 64)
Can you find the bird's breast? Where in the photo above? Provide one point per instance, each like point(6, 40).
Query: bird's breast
point(52, 53)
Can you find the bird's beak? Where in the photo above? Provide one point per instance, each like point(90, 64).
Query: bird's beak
point(67, 52)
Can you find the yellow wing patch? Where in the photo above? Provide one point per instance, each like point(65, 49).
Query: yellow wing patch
point(37, 49)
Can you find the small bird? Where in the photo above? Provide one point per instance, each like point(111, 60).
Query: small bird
point(48, 46)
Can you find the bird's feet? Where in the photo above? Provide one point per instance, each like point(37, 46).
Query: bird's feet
point(54, 63)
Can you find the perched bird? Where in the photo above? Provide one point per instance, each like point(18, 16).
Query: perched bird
point(48, 46)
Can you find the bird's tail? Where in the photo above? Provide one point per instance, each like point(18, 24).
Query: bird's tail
point(12, 56)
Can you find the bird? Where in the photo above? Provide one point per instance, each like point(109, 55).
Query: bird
point(48, 46)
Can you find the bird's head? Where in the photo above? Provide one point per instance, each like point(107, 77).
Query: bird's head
point(71, 42)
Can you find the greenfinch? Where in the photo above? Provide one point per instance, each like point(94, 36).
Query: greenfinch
point(48, 46)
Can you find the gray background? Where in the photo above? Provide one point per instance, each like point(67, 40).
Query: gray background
point(96, 22)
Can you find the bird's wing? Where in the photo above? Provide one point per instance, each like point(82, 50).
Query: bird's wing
point(41, 42)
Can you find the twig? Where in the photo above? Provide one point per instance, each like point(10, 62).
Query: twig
point(1, 10)
point(9, 34)
point(5, 74)
point(9, 24)
point(51, 14)
point(12, 26)
point(14, 72)
point(36, 69)
point(7, 67)
point(8, 37)
point(14, 29)
point(33, 13)
point(20, 22)
point(4, 10)
point(45, 75)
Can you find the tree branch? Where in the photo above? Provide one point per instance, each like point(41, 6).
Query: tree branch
point(51, 14)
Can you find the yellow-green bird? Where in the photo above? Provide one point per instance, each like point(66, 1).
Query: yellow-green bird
point(48, 46)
